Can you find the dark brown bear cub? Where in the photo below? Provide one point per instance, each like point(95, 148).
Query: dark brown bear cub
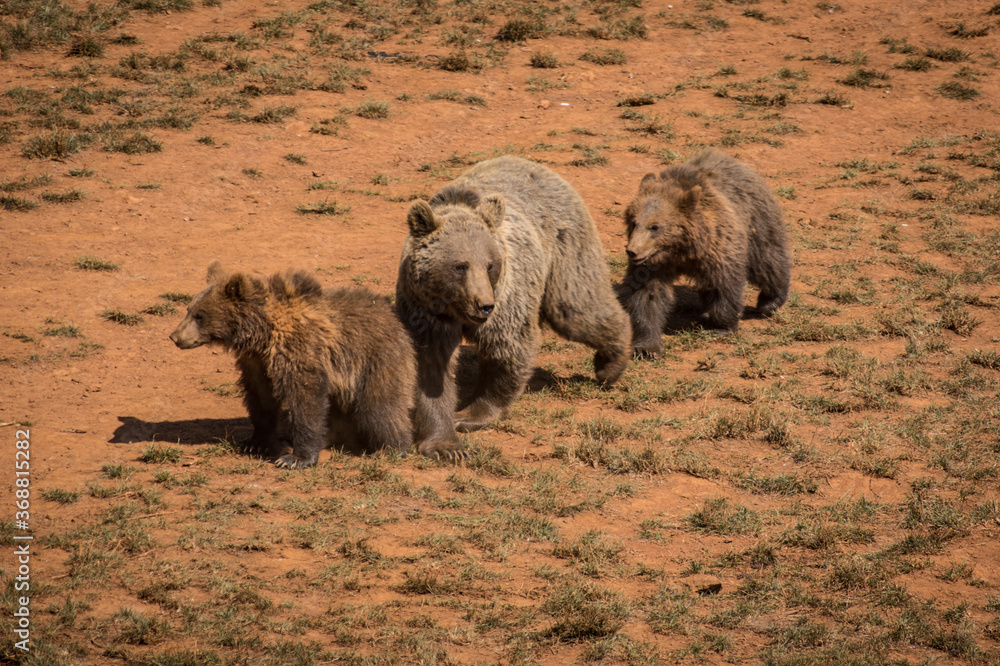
point(715, 221)
point(506, 246)
point(313, 364)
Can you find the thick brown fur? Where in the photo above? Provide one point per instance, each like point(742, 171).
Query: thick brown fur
point(505, 246)
point(314, 365)
point(715, 221)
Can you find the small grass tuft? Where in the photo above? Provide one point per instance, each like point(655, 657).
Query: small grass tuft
point(371, 109)
point(136, 143)
point(915, 64)
point(16, 204)
point(85, 47)
point(866, 78)
point(605, 57)
point(540, 60)
point(459, 61)
point(70, 196)
point(322, 208)
point(123, 318)
point(520, 30)
point(989, 359)
point(585, 611)
point(720, 516)
point(60, 496)
point(957, 90)
point(950, 54)
point(91, 263)
point(156, 454)
point(58, 144)
point(963, 31)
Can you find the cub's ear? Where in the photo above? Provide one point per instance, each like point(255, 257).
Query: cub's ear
point(648, 180)
point(421, 218)
point(630, 218)
point(690, 199)
point(492, 210)
point(215, 271)
point(238, 287)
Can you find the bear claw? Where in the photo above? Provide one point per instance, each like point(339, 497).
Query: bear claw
point(291, 461)
point(450, 451)
point(252, 447)
point(650, 353)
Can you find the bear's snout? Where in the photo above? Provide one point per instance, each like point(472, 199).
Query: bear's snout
point(634, 257)
point(179, 341)
point(480, 311)
point(183, 337)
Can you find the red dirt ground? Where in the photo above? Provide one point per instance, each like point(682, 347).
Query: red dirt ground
point(107, 406)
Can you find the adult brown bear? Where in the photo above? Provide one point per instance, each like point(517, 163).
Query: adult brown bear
point(507, 244)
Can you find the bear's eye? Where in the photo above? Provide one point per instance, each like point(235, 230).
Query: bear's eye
point(654, 227)
point(198, 316)
point(489, 267)
point(461, 268)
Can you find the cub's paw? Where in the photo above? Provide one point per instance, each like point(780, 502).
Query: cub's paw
point(718, 326)
point(451, 450)
point(476, 416)
point(292, 461)
point(608, 369)
point(768, 307)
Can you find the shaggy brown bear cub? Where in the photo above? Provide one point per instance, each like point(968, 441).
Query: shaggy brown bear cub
point(506, 245)
point(714, 220)
point(313, 364)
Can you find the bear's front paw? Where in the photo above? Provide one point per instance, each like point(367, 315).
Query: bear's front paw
point(452, 450)
point(254, 446)
point(649, 349)
point(292, 461)
point(717, 325)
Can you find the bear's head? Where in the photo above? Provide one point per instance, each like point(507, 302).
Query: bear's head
point(454, 257)
point(666, 220)
point(224, 312)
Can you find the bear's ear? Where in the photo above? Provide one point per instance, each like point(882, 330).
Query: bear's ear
point(630, 218)
point(215, 271)
point(690, 199)
point(492, 210)
point(421, 218)
point(648, 180)
point(238, 287)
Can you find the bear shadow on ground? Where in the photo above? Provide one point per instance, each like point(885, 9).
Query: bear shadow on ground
point(467, 372)
point(687, 311)
point(191, 431)
point(340, 436)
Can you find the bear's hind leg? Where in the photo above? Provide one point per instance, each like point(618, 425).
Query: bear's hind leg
point(384, 427)
point(609, 336)
point(723, 306)
point(767, 303)
point(774, 283)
